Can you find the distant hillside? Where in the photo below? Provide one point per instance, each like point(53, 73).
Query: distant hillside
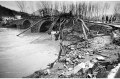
point(8, 12)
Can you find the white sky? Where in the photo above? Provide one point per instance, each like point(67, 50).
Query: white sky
point(13, 5)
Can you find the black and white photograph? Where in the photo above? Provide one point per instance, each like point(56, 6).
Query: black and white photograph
point(59, 39)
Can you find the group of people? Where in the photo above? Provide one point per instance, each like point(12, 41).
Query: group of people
point(108, 19)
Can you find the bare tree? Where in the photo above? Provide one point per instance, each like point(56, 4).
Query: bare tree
point(39, 8)
point(117, 8)
point(44, 7)
point(21, 5)
point(56, 7)
point(32, 8)
point(105, 8)
point(116, 12)
point(80, 10)
point(72, 7)
point(84, 9)
point(76, 9)
point(96, 10)
point(64, 8)
point(90, 10)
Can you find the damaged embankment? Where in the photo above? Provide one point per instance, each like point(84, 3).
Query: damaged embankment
point(94, 68)
point(81, 58)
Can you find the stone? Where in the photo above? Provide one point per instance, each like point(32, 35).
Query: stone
point(100, 58)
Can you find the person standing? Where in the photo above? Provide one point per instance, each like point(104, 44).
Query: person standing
point(103, 19)
point(107, 19)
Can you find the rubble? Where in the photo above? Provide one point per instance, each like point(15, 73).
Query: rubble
point(101, 41)
point(80, 58)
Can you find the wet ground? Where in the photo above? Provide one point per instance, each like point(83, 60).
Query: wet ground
point(23, 55)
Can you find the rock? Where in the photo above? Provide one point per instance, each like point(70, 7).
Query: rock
point(67, 63)
point(94, 61)
point(89, 75)
point(70, 69)
point(68, 59)
point(72, 47)
point(75, 69)
point(48, 71)
point(100, 58)
point(58, 66)
point(87, 53)
point(80, 66)
point(88, 65)
point(79, 56)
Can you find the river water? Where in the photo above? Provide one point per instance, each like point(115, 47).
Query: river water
point(22, 55)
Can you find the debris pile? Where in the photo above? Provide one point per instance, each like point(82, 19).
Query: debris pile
point(81, 58)
point(99, 42)
point(83, 62)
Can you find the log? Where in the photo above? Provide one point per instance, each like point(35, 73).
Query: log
point(84, 27)
point(84, 24)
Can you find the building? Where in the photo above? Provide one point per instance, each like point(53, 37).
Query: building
point(18, 17)
point(6, 19)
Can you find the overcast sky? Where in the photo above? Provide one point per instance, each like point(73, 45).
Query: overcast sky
point(13, 5)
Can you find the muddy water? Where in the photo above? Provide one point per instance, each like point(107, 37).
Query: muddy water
point(21, 56)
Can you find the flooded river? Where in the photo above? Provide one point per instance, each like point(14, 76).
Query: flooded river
point(22, 55)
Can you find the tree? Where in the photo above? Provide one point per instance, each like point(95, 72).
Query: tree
point(116, 12)
point(32, 8)
point(105, 8)
point(97, 9)
point(84, 9)
point(56, 7)
point(79, 9)
point(21, 5)
point(64, 8)
point(45, 8)
point(117, 8)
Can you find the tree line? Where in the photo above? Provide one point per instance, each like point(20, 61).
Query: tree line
point(89, 10)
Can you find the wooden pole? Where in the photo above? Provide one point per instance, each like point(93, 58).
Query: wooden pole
point(84, 27)
point(84, 24)
point(84, 32)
